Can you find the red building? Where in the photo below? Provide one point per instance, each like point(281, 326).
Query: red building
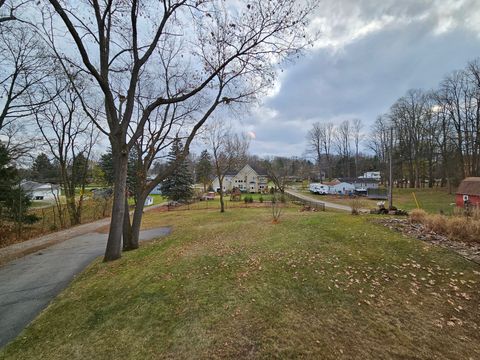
point(468, 191)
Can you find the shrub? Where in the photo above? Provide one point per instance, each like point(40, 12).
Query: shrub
point(260, 199)
point(355, 205)
point(458, 228)
point(250, 199)
point(245, 198)
point(418, 216)
point(437, 223)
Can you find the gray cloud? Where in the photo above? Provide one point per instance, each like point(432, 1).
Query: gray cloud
point(369, 55)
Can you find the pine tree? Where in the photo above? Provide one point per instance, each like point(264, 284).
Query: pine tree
point(106, 164)
point(43, 169)
point(204, 169)
point(178, 186)
point(14, 202)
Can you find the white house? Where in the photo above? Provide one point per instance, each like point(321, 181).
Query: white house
point(372, 175)
point(39, 191)
point(342, 188)
point(148, 201)
point(247, 180)
point(362, 183)
point(157, 190)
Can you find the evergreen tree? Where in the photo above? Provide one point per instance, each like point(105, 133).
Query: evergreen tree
point(43, 170)
point(204, 169)
point(179, 185)
point(79, 165)
point(106, 164)
point(14, 202)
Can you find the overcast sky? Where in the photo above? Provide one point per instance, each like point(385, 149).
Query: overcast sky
point(368, 55)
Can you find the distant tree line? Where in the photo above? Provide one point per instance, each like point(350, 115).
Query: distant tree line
point(435, 135)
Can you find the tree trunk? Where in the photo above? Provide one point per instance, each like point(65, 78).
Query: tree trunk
point(114, 243)
point(127, 228)
point(72, 211)
point(222, 204)
point(136, 223)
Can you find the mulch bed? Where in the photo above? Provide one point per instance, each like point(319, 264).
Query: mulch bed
point(470, 251)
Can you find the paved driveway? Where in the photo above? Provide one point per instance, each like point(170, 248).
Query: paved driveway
point(328, 205)
point(28, 284)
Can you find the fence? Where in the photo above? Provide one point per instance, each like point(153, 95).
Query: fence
point(52, 218)
point(215, 205)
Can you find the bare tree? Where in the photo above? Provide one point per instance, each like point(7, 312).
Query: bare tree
point(116, 53)
point(343, 136)
point(316, 140)
point(8, 9)
point(23, 69)
point(357, 126)
point(379, 141)
point(278, 170)
point(408, 116)
point(70, 137)
point(229, 151)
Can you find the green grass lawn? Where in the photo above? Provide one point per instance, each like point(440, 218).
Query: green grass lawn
point(234, 285)
point(431, 200)
point(41, 203)
point(157, 199)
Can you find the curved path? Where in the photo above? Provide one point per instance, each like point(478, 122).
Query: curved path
point(328, 205)
point(28, 284)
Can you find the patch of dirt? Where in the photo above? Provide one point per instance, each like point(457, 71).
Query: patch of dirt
point(103, 229)
point(163, 208)
point(470, 251)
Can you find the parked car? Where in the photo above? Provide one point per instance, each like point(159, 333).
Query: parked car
point(320, 189)
point(208, 196)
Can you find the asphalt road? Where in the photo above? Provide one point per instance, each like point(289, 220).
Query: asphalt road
point(28, 284)
point(328, 205)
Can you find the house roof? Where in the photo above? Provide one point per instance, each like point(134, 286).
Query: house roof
point(359, 180)
point(343, 183)
point(469, 186)
point(33, 185)
point(331, 183)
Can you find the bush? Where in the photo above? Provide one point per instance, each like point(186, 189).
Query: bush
point(456, 228)
point(437, 223)
point(355, 205)
point(260, 199)
point(418, 216)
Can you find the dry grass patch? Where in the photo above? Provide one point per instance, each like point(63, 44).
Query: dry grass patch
point(457, 227)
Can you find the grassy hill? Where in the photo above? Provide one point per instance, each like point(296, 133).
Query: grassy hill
point(234, 285)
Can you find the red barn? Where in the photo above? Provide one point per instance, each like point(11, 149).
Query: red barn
point(469, 190)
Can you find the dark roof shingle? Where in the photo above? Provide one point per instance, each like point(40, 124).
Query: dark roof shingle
point(469, 186)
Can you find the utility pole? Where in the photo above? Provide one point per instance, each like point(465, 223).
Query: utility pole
point(390, 181)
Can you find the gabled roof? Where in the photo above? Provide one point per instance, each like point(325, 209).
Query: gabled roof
point(469, 186)
point(359, 180)
point(33, 185)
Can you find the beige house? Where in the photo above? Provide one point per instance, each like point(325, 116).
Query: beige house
point(247, 180)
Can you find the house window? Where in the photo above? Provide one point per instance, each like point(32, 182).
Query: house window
point(38, 197)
